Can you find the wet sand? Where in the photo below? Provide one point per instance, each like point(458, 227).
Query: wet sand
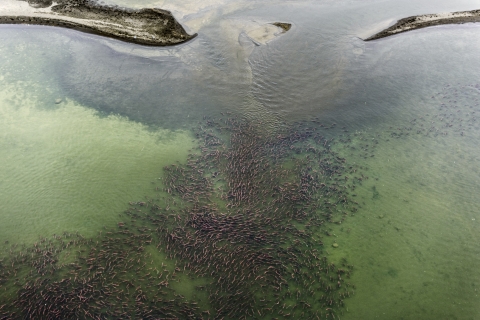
point(154, 27)
point(427, 20)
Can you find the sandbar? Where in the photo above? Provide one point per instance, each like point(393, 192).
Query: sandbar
point(151, 26)
point(427, 20)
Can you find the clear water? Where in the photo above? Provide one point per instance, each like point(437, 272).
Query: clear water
point(127, 111)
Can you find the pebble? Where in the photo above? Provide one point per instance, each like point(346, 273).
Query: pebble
point(58, 101)
point(335, 245)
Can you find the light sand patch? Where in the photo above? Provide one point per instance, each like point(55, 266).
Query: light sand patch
point(375, 28)
point(259, 32)
point(265, 33)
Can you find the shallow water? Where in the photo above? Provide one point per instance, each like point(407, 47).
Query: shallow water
point(65, 168)
point(127, 111)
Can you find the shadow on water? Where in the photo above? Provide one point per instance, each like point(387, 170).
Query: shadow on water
point(151, 90)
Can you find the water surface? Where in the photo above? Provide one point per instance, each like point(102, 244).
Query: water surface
point(408, 102)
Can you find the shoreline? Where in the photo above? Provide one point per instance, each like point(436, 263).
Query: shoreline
point(427, 20)
point(153, 27)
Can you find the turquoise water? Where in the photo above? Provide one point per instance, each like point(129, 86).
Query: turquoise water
point(409, 104)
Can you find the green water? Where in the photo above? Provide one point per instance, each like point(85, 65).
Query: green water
point(414, 239)
point(65, 168)
point(414, 242)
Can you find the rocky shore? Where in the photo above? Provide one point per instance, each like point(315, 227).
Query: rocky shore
point(154, 27)
point(428, 20)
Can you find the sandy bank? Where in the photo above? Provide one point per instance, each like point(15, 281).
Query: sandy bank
point(428, 20)
point(154, 27)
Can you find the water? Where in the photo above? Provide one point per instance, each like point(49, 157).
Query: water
point(127, 111)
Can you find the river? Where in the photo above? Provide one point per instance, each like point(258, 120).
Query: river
point(89, 123)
